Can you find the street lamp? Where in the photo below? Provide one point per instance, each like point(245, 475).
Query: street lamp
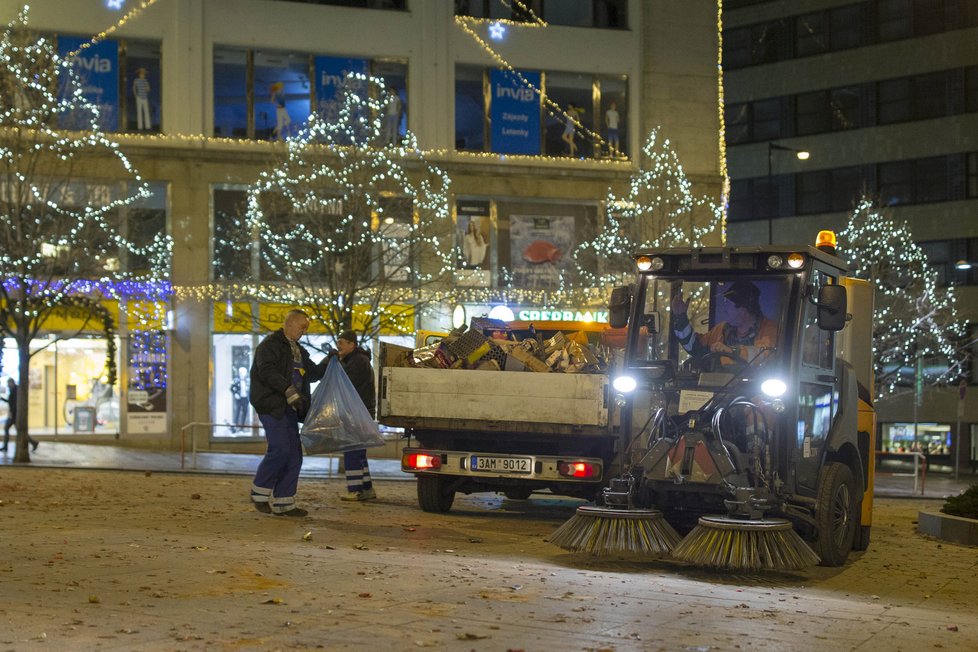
point(963, 265)
point(801, 155)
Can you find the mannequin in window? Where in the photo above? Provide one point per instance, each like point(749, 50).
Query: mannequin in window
point(474, 245)
point(573, 117)
point(140, 91)
point(282, 119)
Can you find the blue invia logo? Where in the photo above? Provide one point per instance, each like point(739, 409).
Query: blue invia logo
point(115, 4)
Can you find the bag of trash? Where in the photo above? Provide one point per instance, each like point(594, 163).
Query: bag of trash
point(337, 420)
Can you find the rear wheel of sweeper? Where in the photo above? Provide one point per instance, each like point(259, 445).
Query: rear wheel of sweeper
point(434, 494)
point(518, 493)
point(837, 517)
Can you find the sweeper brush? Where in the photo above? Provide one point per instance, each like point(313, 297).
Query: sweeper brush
point(605, 531)
point(740, 544)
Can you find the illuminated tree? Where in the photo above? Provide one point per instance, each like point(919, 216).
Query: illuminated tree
point(658, 209)
point(913, 318)
point(63, 186)
point(349, 227)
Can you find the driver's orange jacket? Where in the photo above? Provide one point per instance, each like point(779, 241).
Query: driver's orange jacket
point(765, 339)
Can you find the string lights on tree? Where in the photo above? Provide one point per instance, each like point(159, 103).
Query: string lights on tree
point(350, 225)
point(61, 248)
point(658, 209)
point(915, 323)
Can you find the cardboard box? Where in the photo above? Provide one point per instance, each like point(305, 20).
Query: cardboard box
point(527, 358)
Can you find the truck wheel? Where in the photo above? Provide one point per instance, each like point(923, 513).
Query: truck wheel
point(433, 496)
point(837, 515)
point(521, 493)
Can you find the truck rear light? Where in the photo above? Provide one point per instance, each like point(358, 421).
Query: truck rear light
point(420, 461)
point(579, 469)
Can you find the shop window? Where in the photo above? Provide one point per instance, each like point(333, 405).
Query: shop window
point(230, 93)
point(613, 112)
point(568, 90)
point(232, 413)
point(145, 224)
point(281, 94)
point(395, 218)
point(67, 393)
point(470, 109)
point(232, 241)
point(394, 75)
point(535, 242)
point(142, 83)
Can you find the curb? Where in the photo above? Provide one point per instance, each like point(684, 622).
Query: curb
point(949, 528)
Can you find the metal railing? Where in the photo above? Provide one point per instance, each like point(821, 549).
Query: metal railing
point(192, 428)
point(919, 468)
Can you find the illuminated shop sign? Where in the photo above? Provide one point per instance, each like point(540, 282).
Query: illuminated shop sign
point(563, 315)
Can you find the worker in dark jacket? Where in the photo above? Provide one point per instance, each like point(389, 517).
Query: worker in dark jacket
point(356, 364)
point(280, 377)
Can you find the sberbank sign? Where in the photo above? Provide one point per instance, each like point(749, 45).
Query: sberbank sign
point(563, 315)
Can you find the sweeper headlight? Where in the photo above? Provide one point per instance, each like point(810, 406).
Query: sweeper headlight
point(774, 387)
point(624, 384)
point(649, 263)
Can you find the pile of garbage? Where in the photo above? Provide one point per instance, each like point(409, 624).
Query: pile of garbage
point(489, 344)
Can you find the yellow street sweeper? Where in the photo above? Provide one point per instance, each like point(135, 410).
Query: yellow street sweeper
point(747, 420)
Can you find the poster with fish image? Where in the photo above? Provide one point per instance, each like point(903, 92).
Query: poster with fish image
point(540, 247)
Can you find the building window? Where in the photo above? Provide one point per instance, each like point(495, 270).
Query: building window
point(523, 123)
point(269, 95)
point(971, 88)
point(972, 174)
point(893, 101)
point(736, 119)
point(233, 255)
point(610, 14)
point(896, 183)
point(893, 19)
point(813, 192)
point(766, 120)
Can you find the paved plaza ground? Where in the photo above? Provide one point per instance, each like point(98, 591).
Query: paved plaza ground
point(150, 560)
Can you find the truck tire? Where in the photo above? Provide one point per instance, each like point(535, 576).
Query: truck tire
point(518, 493)
point(837, 516)
point(433, 496)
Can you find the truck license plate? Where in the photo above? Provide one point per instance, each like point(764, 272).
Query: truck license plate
point(500, 464)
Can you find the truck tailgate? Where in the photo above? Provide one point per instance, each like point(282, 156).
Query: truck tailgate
point(572, 399)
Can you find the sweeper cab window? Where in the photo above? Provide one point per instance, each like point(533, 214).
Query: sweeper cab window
point(724, 322)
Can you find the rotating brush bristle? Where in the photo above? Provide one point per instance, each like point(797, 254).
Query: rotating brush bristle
point(740, 544)
point(606, 531)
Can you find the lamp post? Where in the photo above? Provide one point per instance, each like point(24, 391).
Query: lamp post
point(801, 155)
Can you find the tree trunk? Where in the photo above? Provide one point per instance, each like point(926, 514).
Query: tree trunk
point(23, 448)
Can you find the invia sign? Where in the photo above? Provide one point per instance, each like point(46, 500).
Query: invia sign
point(330, 74)
point(97, 70)
point(514, 112)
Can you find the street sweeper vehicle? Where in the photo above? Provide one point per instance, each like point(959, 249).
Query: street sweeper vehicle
point(504, 407)
point(746, 396)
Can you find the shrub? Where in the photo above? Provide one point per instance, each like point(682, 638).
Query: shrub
point(964, 505)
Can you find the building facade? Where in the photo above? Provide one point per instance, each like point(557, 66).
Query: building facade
point(199, 91)
point(883, 94)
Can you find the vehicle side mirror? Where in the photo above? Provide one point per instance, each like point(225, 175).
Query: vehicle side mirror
point(832, 307)
point(619, 306)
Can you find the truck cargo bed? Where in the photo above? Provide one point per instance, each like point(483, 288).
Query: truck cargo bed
point(438, 398)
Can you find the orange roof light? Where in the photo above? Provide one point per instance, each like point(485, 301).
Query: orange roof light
point(826, 242)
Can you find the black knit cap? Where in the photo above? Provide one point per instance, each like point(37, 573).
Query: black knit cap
point(743, 294)
point(349, 336)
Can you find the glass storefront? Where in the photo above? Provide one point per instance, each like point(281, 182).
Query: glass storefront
point(926, 438)
point(68, 394)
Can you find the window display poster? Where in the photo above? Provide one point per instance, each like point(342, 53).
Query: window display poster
point(97, 68)
point(514, 111)
point(473, 234)
point(540, 247)
point(331, 75)
point(146, 410)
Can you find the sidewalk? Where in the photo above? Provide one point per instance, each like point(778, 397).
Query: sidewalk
point(98, 456)
point(937, 486)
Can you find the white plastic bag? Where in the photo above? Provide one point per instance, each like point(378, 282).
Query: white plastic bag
point(337, 420)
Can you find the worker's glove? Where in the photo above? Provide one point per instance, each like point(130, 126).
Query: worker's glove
point(293, 397)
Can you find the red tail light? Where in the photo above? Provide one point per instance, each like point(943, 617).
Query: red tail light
point(579, 469)
point(420, 461)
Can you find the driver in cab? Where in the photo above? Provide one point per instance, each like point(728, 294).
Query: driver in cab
point(744, 334)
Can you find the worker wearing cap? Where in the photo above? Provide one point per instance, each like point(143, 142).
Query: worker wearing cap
point(746, 332)
point(356, 364)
